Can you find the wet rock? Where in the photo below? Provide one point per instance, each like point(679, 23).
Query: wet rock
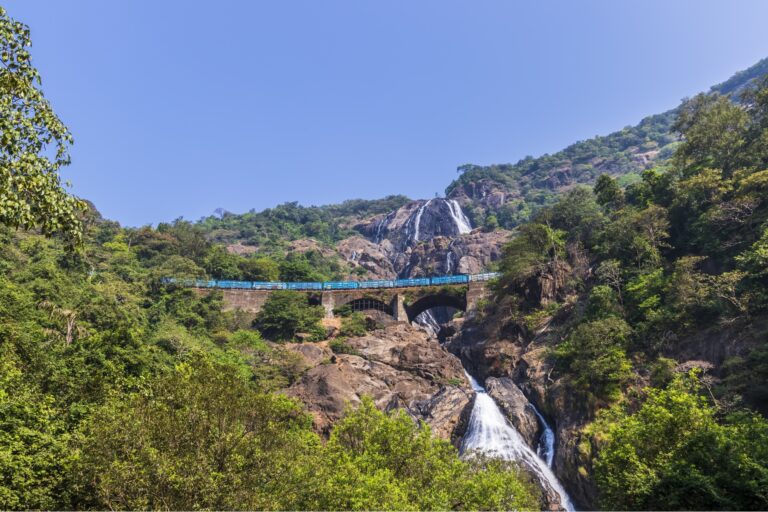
point(515, 407)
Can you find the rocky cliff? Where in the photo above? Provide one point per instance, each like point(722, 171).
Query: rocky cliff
point(429, 237)
point(400, 367)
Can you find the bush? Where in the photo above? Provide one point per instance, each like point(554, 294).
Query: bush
point(595, 357)
point(354, 325)
point(287, 313)
point(376, 461)
point(340, 346)
point(673, 455)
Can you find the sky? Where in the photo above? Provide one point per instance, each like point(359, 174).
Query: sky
point(182, 107)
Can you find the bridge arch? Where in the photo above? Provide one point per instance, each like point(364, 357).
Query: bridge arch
point(368, 304)
point(433, 301)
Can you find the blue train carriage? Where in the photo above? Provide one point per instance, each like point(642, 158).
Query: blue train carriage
point(381, 283)
point(304, 286)
point(267, 285)
point(419, 281)
point(456, 279)
point(230, 285)
point(340, 285)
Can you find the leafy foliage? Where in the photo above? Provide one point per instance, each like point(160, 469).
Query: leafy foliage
point(31, 193)
point(381, 462)
point(643, 272)
point(287, 313)
point(672, 454)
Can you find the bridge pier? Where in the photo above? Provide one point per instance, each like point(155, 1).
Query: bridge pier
point(398, 308)
point(476, 292)
point(328, 302)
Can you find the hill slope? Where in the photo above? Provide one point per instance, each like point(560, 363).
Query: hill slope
point(512, 191)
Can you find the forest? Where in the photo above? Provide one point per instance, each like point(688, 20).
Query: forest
point(640, 275)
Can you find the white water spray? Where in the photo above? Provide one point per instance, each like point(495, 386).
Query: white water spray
point(459, 219)
point(489, 432)
point(428, 321)
point(546, 448)
point(449, 262)
point(417, 220)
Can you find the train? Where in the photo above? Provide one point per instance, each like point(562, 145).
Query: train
point(334, 285)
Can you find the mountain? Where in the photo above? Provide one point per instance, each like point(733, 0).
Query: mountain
point(511, 192)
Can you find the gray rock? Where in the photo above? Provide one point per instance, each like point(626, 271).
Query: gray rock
point(516, 408)
point(399, 367)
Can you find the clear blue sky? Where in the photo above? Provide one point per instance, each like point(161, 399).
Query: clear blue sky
point(181, 107)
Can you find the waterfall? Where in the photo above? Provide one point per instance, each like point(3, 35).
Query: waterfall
point(381, 226)
point(417, 220)
point(546, 448)
point(449, 262)
point(490, 432)
point(459, 219)
point(429, 322)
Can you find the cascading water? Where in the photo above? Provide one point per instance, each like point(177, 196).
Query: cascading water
point(417, 220)
point(449, 262)
point(546, 448)
point(489, 432)
point(457, 214)
point(429, 322)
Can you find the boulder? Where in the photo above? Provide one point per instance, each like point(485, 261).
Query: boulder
point(515, 407)
point(399, 367)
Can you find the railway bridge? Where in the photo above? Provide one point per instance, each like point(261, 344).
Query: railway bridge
point(403, 299)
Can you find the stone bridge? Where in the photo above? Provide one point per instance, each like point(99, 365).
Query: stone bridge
point(403, 304)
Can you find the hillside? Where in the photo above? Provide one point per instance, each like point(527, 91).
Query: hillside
point(512, 191)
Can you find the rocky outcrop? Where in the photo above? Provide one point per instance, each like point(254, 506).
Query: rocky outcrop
point(516, 407)
point(374, 258)
point(422, 238)
point(467, 254)
point(416, 222)
point(503, 352)
point(399, 367)
point(484, 192)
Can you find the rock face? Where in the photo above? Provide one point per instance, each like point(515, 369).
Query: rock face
point(400, 367)
point(375, 258)
point(422, 238)
point(417, 221)
point(485, 192)
point(516, 407)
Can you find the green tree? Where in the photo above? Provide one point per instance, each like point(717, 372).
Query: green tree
point(31, 193)
point(608, 192)
point(287, 313)
point(260, 269)
point(199, 438)
point(532, 251)
point(594, 355)
point(672, 454)
point(376, 461)
point(34, 456)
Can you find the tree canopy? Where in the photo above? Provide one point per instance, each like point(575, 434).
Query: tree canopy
point(34, 144)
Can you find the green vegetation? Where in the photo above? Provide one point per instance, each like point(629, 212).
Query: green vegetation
point(290, 221)
point(34, 144)
point(286, 314)
point(674, 454)
point(643, 272)
point(119, 392)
